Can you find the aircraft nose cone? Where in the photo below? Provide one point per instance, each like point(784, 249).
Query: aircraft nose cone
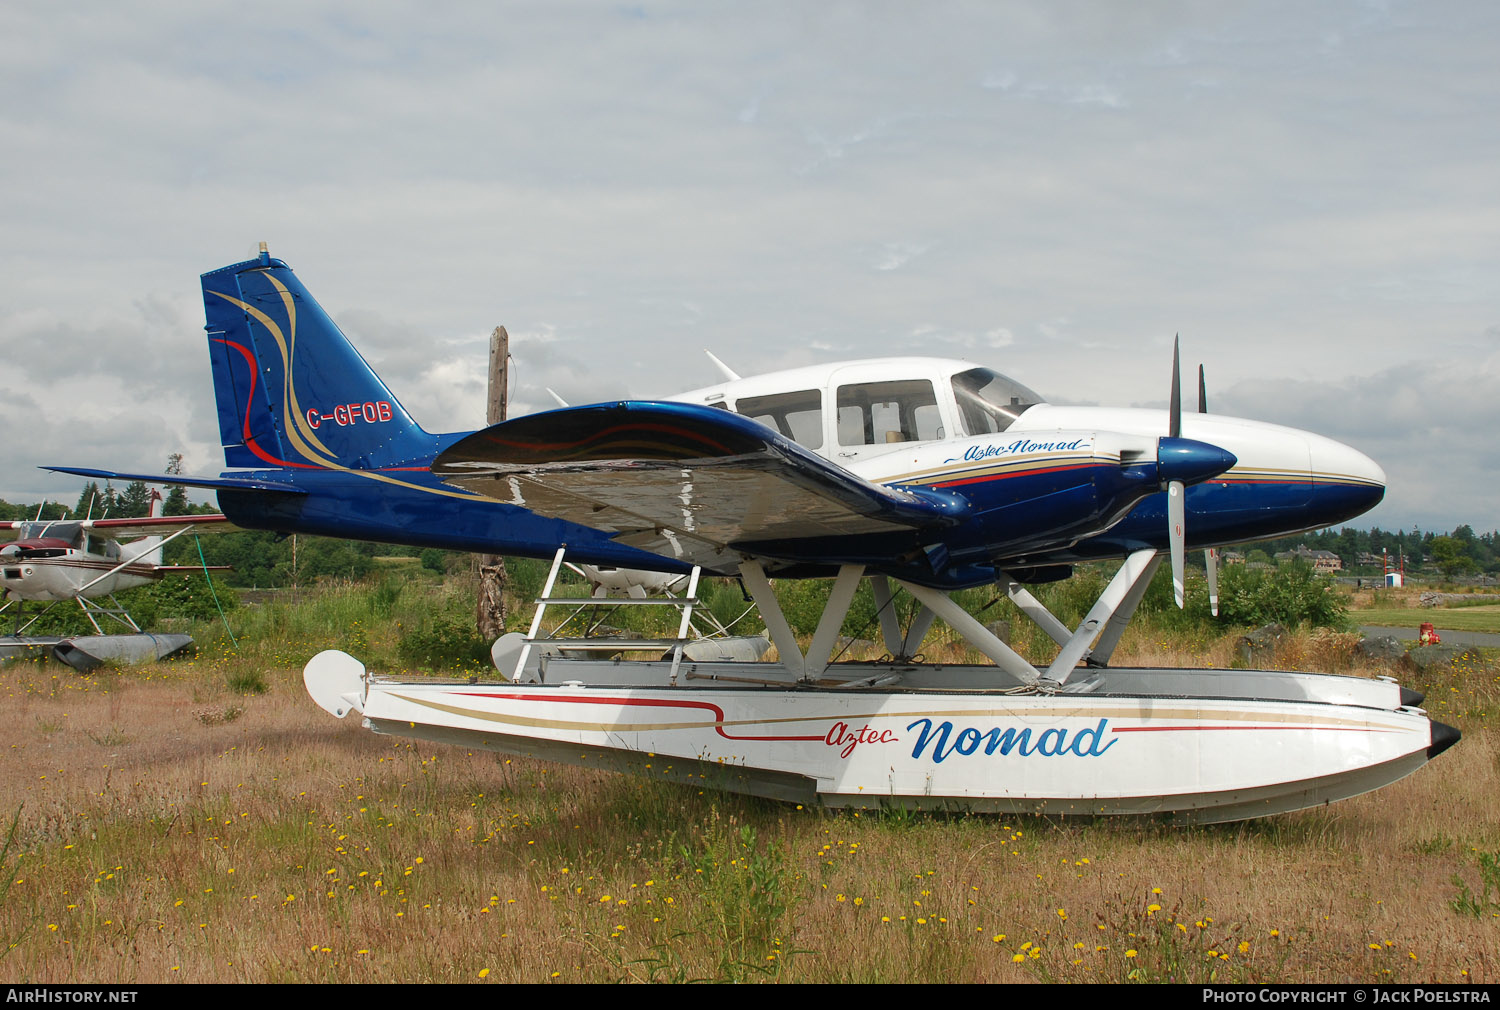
point(1345, 480)
point(1191, 461)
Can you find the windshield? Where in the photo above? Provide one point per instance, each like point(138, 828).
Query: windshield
point(990, 402)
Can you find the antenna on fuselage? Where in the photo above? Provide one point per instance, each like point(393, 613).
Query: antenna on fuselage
point(553, 393)
point(729, 373)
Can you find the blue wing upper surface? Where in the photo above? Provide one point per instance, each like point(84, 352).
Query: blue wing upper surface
point(682, 480)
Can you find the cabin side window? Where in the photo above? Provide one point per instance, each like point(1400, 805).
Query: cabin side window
point(881, 413)
point(798, 416)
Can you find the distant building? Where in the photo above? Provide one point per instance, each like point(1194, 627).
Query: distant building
point(1321, 561)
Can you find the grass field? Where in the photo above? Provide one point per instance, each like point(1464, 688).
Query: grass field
point(1485, 618)
point(169, 827)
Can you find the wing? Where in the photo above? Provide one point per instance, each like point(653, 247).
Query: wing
point(683, 481)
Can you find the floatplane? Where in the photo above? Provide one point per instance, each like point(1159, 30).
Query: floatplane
point(86, 562)
point(922, 476)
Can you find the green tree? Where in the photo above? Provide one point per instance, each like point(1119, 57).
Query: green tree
point(134, 502)
point(89, 501)
point(1291, 594)
point(177, 503)
point(1452, 557)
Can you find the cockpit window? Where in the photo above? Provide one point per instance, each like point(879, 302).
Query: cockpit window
point(879, 413)
point(989, 402)
point(798, 416)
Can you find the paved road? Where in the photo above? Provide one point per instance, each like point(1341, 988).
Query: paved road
point(1479, 638)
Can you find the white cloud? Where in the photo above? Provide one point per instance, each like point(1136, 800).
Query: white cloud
point(1427, 422)
point(894, 255)
point(1305, 192)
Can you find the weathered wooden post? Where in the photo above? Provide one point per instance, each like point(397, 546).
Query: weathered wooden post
point(490, 615)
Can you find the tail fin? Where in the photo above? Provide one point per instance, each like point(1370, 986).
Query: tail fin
point(292, 391)
point(145, 551)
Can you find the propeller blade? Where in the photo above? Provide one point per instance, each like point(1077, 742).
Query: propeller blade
point(1210, 556)
point(1211, 566)
point(1174, 424)
point(1176, 509)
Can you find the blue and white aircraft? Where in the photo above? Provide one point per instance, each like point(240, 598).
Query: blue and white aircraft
point(937, 472)
point(922, 474)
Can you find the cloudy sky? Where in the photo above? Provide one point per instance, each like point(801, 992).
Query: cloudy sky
point(1308, 192)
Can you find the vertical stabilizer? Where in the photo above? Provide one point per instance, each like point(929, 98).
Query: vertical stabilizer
point(291, 390)
point(145, 551)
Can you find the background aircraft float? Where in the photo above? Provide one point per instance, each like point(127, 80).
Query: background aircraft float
point(924, 475)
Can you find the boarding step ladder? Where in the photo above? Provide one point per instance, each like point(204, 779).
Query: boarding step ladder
point(684, 605)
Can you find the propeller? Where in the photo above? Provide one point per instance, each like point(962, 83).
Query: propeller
point(1211, 555)
point(1180, 462)
point(1176, 491)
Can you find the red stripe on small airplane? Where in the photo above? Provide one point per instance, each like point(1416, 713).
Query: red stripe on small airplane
point(1007, 476)
point(1302, 479)
point(139, 568)
point(1206, 729)
point(249, 438)
point(149, 521)
point(644, 703)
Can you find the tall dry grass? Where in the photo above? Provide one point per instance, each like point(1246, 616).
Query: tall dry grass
point(172, 828)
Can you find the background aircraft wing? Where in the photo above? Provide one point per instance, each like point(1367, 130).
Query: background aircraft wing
point(139, 527)
point(681, 480)
point(148, 526)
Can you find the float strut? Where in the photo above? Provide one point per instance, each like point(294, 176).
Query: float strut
point(1104, 610)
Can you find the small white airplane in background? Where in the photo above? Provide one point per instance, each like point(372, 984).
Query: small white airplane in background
point(55, 560)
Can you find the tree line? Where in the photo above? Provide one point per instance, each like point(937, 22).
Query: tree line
point(269, 560)
point(1456, 553)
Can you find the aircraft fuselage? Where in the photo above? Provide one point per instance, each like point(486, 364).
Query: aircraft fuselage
point(1055, 485)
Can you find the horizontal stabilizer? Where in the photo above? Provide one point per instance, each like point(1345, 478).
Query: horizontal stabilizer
point(681, 480)
point(187, 480)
